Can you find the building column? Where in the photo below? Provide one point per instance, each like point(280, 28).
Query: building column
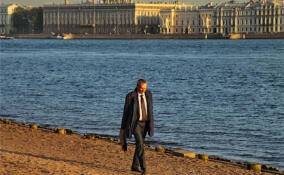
point(273, 22)
point(261, 20)
point(221, 21)
point(217, 21)
point(278, 19)
point(236, 20)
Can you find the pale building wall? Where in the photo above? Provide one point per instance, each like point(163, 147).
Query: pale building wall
point(165, 18)
point(207, 20)
point(179, 20)
point(259, 17)
point(6, 12)
point(281, 20)
point(110, 16)
point(105, 17)
point(102, 18)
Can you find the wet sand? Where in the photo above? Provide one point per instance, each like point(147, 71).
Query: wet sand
point(39, 151)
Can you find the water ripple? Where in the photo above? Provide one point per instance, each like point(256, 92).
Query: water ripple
point(220, 97)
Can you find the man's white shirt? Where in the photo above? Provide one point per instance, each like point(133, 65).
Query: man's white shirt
point(139, 102)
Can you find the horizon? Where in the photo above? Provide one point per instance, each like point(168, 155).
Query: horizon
point(42, 2)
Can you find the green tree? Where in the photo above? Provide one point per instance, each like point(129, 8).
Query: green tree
point(28, 20)
point(20, 21)
point(35, 17)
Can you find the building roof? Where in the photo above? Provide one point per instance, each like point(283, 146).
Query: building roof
point(252, 3)
point(232, 4)
point(7, 5)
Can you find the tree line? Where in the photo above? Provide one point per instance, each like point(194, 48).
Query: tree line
point(27, 20)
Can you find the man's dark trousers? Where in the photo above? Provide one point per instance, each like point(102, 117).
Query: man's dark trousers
point(139, 156)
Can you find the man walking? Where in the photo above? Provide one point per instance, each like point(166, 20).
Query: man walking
point(138, 120)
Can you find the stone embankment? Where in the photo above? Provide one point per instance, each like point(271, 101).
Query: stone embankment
point(153, 36)
point(35, 149)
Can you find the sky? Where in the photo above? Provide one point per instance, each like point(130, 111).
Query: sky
point(41, 2)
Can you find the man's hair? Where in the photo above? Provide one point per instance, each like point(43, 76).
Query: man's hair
point(141, 81)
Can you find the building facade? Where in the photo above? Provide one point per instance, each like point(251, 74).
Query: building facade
point(252, 17)
point(105, 17)
point(6, 12)
point(266, 16)
point(187, 20)
point(124, 16)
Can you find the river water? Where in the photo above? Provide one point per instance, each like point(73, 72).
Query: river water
point(220, 97)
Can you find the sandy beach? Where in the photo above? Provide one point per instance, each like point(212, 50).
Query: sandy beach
point(40, 151)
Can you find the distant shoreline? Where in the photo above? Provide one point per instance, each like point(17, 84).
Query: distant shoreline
point(153, 36)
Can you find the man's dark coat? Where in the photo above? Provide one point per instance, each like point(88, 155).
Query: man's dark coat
point(130, 113)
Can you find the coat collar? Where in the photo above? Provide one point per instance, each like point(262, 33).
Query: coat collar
point(136, 94)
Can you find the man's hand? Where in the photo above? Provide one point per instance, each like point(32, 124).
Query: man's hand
point(122, 137)
point(122, 132)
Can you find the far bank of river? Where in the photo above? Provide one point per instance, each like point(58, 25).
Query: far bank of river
point(155, 36)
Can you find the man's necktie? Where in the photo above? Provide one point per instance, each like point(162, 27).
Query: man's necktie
point(143, 109)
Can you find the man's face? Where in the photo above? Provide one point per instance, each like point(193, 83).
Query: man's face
point(142, 88)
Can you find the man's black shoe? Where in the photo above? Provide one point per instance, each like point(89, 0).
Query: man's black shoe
point(143, 172)
point(124, 147)
point(135, 169)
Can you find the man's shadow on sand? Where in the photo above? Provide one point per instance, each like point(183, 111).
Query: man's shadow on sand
point(64, 160)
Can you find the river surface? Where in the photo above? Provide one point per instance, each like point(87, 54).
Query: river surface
point(219, 97)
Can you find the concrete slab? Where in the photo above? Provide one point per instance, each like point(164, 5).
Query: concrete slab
point(184, 153)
